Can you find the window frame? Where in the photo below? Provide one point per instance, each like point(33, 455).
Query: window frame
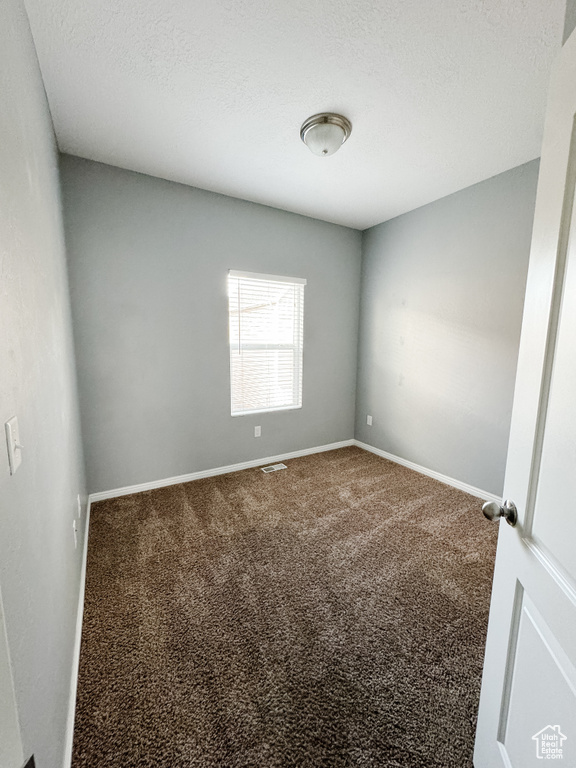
point(299, 358)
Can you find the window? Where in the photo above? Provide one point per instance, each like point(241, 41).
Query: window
point(266, 315)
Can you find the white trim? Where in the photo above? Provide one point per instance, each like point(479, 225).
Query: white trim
point(101, 495)
point(127, 490)
point(472, 490)
point(76, 650)
point(269, 278)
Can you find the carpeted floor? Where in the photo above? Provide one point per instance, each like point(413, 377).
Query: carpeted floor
point(331, 614)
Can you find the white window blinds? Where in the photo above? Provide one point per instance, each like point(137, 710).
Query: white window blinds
point(266, 315)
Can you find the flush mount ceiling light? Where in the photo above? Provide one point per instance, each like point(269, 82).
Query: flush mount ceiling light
point(324, 133)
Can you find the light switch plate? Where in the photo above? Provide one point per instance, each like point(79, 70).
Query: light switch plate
point(13, 444)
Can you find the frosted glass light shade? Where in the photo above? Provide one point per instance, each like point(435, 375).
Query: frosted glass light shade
point(325, 133)
point(324, 139)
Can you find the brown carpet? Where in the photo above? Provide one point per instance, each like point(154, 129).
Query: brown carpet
point(331, 614)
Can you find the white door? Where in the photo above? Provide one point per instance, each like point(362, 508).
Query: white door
point(528, 701)
point(10, 744)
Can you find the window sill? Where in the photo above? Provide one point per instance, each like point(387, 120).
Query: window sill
point(267, 410)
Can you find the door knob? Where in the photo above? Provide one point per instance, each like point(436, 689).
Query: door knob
point(492, 511)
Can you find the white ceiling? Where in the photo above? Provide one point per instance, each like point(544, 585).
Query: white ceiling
point(441, 93)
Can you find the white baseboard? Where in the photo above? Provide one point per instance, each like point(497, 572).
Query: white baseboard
point(76, 652)
point(125, 491)
point(431, 473)
point(216, 471)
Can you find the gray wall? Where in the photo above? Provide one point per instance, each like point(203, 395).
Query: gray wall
point(148, 263)
point(39, 567)
point(442, 297)
point(569, 19)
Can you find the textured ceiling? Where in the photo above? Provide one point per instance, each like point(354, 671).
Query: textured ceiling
point(441, 93)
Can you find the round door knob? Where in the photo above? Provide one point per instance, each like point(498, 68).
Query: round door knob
point(493, 511)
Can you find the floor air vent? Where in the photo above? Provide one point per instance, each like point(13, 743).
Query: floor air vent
point(274, 467)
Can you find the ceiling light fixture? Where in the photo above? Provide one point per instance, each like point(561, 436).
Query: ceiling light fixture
point(325, 133)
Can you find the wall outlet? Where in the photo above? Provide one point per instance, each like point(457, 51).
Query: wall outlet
point(257, 431)
point(369, 420)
